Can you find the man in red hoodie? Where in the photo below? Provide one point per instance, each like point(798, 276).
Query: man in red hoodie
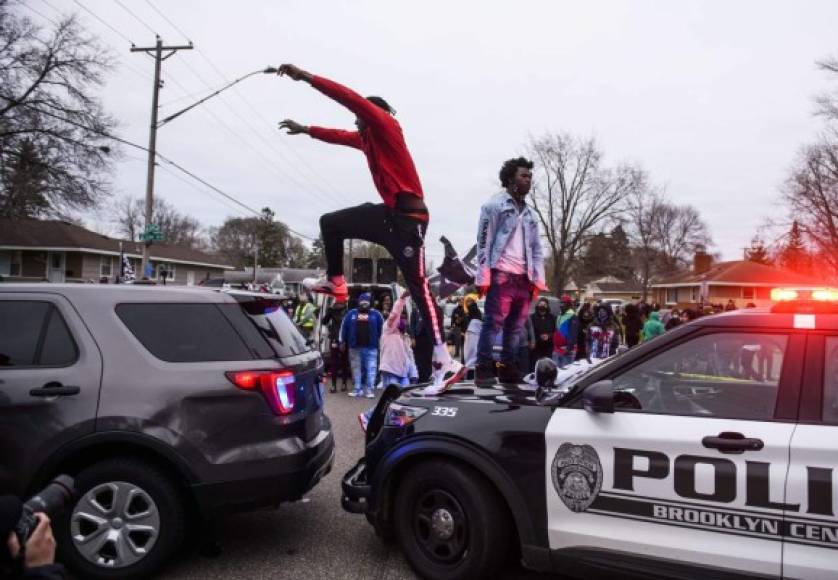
point(399, 224)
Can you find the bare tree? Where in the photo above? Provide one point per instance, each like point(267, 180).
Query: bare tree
point(664, 235)
point(643, 206)
point(128, 216)
point(812, 194)
point(53, 156)
point(828, 102)
point(575, 195)
point(679, 231)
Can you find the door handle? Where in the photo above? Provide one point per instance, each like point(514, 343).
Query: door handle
point(732, 443)
point(55, 389)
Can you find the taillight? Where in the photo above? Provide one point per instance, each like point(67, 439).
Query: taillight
point(278, 387)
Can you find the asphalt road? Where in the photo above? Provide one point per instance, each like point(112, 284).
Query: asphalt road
point(312, 538)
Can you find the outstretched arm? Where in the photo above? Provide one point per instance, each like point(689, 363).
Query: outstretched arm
point(396, 313)
point(370, 113)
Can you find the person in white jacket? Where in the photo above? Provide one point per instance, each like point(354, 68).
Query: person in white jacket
point(397, 364)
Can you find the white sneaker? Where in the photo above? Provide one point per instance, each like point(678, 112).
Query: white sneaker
point(433, 390)
point(447, 371)
point(353, 394)
point(370, 395)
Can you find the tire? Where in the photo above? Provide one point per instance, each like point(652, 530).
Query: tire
point(138, 495)
point(470, 534)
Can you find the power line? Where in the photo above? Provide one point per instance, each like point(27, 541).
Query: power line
point(137, 18)
point(38, 12)
point(271, 166)
point(172, 24)
point(161, 156)
point(97, 17)
point(324, 196)
point(332, 195)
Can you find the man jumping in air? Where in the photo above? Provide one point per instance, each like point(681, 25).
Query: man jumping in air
point(399, 224)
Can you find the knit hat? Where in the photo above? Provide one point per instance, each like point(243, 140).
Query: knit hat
point(365, 297)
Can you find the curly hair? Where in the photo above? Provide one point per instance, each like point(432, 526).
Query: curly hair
point(510, 168)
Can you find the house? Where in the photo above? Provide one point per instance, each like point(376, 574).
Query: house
point(742, 281)
point(611, 288)
point(58, 251)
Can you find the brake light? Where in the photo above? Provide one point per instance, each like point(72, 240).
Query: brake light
point(783, 294)
point(278, 387)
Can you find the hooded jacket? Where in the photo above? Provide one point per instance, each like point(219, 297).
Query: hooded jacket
point(653, 326)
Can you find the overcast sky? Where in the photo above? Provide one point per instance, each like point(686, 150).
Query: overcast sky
point(713, 99)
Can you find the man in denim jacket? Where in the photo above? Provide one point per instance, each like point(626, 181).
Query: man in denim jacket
point(510, 270)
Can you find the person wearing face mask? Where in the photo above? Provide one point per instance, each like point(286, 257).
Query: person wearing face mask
point(510, 270)
point(361, 331)
point(544, 325)
point(399, 224)
point(397, 364)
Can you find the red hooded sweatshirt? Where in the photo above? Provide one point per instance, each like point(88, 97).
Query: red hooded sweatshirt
point(382, 142)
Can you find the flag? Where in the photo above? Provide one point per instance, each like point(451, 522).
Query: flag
point(126, 272)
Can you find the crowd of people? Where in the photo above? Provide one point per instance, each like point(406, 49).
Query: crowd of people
point(376, 342)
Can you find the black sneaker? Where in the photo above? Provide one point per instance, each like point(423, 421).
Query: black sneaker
point(508, 373)
point(484, 375)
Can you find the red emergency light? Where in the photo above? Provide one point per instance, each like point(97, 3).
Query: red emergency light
point(805, 300)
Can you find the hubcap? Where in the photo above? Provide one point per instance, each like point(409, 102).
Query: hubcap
point(115, 524)
point(440, 526)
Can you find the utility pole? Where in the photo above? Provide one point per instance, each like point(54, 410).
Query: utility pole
point(351, 262)
point(156, 52)
point(255, 261)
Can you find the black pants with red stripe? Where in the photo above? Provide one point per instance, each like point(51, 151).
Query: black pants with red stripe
point(401, 235)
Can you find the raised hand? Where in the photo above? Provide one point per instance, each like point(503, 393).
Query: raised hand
point(293, 72)
point(292, 127)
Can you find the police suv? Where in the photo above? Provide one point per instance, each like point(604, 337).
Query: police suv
point(709, 452)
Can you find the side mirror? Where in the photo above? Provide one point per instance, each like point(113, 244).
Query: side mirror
point(599, 397)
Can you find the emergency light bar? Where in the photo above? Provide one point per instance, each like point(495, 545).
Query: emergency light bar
point(805, 300)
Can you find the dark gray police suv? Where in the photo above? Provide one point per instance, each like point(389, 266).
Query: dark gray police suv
point(167, 404)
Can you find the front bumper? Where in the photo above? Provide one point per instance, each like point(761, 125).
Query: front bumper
point(357, 491)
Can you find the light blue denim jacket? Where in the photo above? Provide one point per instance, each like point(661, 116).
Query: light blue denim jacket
point(497, 221)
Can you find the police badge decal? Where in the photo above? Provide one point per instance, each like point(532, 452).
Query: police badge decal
point(577, 475)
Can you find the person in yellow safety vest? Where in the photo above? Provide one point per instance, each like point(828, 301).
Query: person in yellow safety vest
point(304, 316)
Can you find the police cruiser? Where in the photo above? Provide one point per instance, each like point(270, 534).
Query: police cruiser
point(709, 452)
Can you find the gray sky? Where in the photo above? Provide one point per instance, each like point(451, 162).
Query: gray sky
point(713, 98)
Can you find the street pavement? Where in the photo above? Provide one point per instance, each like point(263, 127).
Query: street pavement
point(312, 538)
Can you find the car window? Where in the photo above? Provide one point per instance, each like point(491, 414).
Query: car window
point(274, 325)
point(58, 349)
point(184, 332)
point(33, 333)
point(733, 375)
point(830, 382)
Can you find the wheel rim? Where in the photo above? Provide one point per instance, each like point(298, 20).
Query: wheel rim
point(440, 526)
point(115, 524)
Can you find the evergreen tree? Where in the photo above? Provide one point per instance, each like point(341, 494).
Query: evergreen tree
point(620, 258)
point(794, 255)
point(758, 252)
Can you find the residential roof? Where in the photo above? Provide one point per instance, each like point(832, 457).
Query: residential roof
point(25, 233)
point(740, 272)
